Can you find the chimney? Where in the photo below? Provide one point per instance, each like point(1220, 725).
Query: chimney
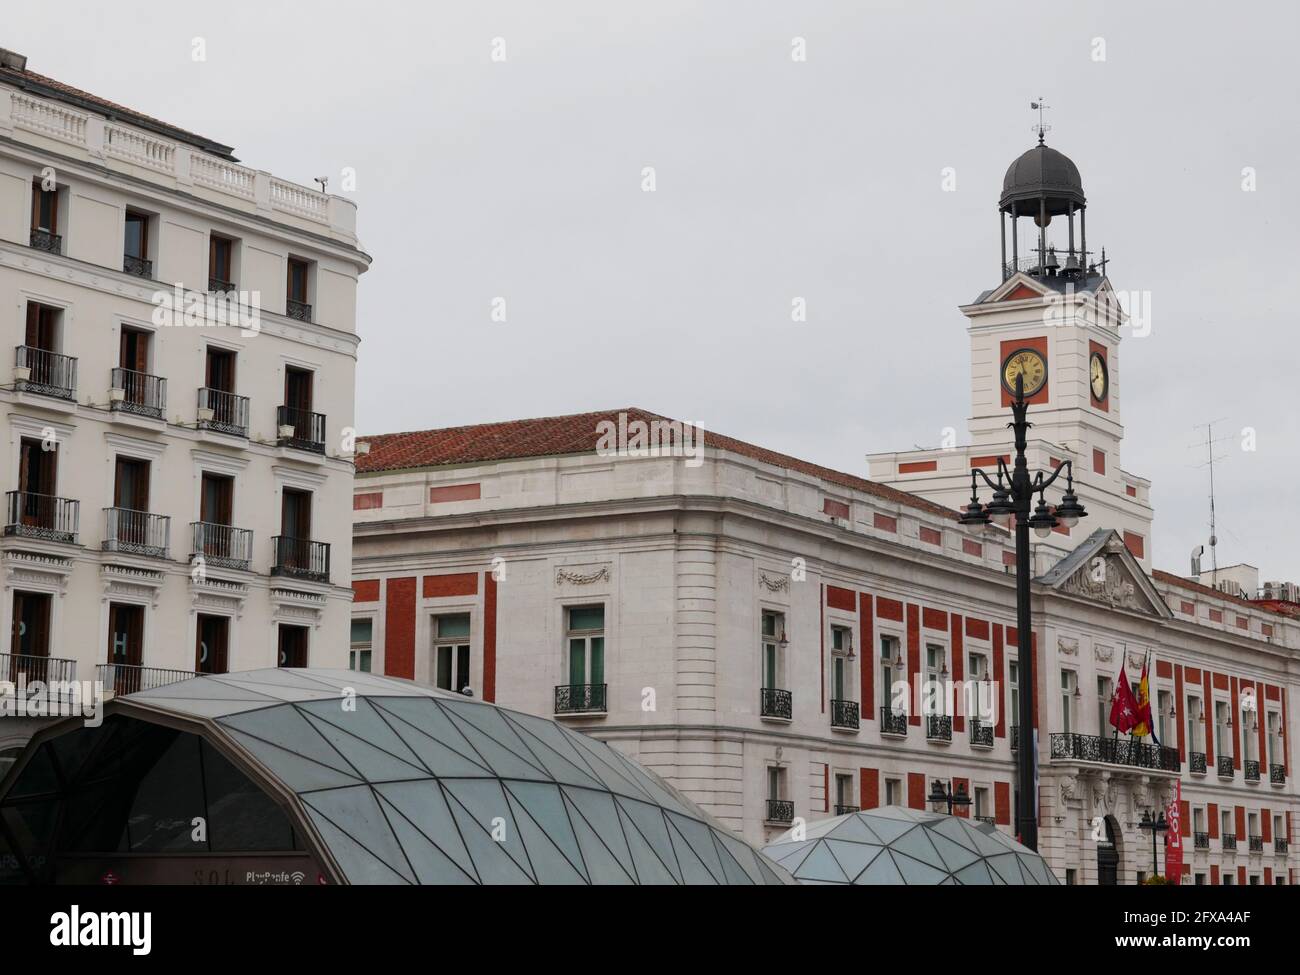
point(12, 60)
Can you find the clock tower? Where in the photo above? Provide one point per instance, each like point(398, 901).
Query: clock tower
point(1054, 318)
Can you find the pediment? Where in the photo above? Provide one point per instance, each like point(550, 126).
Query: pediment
point(1103, 570)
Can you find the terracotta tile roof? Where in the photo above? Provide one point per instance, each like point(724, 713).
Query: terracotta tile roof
point(40, 85)
point(577, 434)
point(1192, 586)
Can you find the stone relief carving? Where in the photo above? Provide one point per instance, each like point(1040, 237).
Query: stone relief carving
point(774, 583)
point(1068, 645)
point(581, 578)
point(1103, 654)
point(1067, 788)
point(1105, 580)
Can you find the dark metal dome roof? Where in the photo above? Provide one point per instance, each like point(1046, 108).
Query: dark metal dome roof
point(1042, 171)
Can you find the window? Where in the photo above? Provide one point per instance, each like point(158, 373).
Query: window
point(1163, 706)
point(841, 663)
point(140, 391)
point(298, 304)
point(42, 327)
point(893, 792)
point(1070, 877)
point(773, 639)
point(451, 652)
point(361, 645)
point(221, 254)
point(1069, 684)
point(844, 792)
point(135, 245)
point(1226, 826)
point(981, 801)
point(891, 669)
point(1200, 880)
point(293, 646)
point(1195, 728)
point(1103, 704)
point(775, 782)
point(131, 485)
point(216, 499)
point(212, 642)
point(31, 626)
point(1222, 738)
point(1273, 740)
point(1013, 687)
point(586, 638)
point(978, 674)
point(45, 209)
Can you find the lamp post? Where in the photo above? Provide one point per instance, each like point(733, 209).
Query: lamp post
point(1156, 826)
point(1013, 493)
point(940, 794)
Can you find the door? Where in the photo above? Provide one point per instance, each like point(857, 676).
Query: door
point(136, 242)
point(298, 401)
point(133, 357)
point(219, 252)
point(37, 480)
point(131, 498)
point(45, 209)
point(30, 641)
point(215, 502)
point(293, 646)
point(125, 645)
point(212, 636)
point(1108, 857)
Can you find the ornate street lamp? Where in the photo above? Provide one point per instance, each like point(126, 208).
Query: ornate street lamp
point(1156, 827)
point(1023, 374)
point(940, 794)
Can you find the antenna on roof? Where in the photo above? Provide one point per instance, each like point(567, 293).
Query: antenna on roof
point(1042, 128)
point(1214, 538)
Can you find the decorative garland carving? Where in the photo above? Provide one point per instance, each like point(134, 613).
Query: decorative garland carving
point(778, 584)
point(1068, 645)
point(581, 578)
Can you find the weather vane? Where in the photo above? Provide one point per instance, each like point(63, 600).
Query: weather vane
point(1042, 127)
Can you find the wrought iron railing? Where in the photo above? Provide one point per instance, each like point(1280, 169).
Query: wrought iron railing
point(844, 714)
point(137, 532)
point(301, 429)
point(1015, 737)
point(1226, 771)
point(300, 558)
point(129, 678)
point(992, 821)
point(222, 545)
point(1196, 762)
point(221, 287)
point(36, 667)
point(41, 516)
point(1250, 768)
point(775, 703)
point(1279, 844)
point(48, 373)
point(1114, 751)
point(141, 267)
point(893, 722)
point(1256, 843)
point(1228, 841)
point(300, 310)
point(780, 811)
point(938, 727)
point(1201, 841)
point(1277, 774)
point(223, 412)
point(43, 240)
point(981, 733)
point(142, 394)
point(845, 810)
point(580, 698)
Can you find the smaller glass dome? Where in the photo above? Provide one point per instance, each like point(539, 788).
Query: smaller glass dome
point(893, 846)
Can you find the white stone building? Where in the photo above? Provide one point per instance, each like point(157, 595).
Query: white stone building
point(176, 488)
point(735, 618)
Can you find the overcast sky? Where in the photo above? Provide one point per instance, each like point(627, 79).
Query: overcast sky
point(774, 179)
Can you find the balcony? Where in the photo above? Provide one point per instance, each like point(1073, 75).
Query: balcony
point(938, 727)
point(45, 372)
point(136, 532)
point(1277, 774)
point(300, 558)
point(1201, 841)
point(43, 240)
point(138, 393)
point(220, 287)
point(988, 820)
point(1256, 843)
point(780, 811)
point(844, 715)
point(139, 267)
point(36, 667)
point(299, 310)
point(580, 698)
point(1229, 841)
point(845, 810)
point(1113, 751)
point(129, 678)
point(1226, 770)
point(1279, 845)
point(1250, 767)
point(223, 412)
point(300, 429)
point(776, 703)
point(893, 723)
point(981, 733)
point(1197, 762)
point(222, 545)
point(42, 516)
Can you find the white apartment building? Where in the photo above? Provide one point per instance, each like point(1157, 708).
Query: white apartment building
point(176, 487)
point(736, 619)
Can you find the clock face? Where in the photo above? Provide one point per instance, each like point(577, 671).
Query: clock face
point(1098, 378)
point(1028, 363)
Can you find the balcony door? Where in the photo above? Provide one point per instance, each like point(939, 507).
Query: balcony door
point(292, 646)
point(37, 482)
point(133, 358)
point(42, 327)
point(219, 370)
point(131, 497)
point(295, 514)
point(216, 501)
point(298, 389)
point(31, 624)
point(212, 637)
point(45, 209)
point(125, 634)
